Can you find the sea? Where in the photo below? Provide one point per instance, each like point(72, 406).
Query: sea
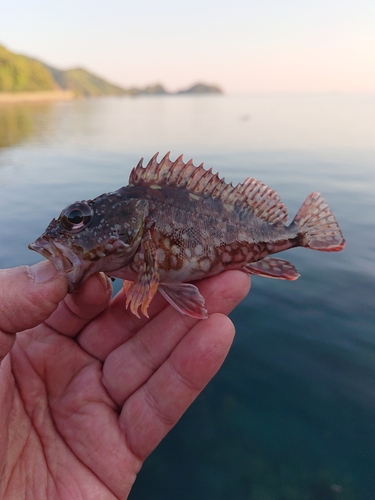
point(291, 413)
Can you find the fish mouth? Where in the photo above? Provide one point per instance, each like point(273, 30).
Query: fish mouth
point(65, 261)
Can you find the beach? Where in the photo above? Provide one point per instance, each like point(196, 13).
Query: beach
point(43, 96)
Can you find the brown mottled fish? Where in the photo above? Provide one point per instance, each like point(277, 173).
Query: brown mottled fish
point(175, 223)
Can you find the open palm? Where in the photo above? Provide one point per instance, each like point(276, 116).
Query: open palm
point(89, 392)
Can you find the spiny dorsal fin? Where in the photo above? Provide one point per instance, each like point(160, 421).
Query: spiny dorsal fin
point(251, 195)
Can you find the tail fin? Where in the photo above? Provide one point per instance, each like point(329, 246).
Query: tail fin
point(317, 225)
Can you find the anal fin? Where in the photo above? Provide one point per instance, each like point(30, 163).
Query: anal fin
point(272, 268)
point(186, 298)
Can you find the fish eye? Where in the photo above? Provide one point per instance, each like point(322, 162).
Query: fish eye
point(76, 216)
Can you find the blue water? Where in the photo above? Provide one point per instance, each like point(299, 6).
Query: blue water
point(291, 414)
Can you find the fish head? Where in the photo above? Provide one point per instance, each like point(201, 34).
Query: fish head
point(91, 236)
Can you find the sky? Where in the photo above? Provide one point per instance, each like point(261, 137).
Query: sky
point(244, 46)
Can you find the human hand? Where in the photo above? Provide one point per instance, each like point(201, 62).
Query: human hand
point(88, 391)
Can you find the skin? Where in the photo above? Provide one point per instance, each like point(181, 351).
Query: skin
point(87, 391)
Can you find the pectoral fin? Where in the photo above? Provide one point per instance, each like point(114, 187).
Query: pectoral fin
point(272, 268)
point(140, 293)
point(186, 298)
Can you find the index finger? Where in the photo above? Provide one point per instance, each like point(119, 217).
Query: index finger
point(79, 308)
point(117, 325)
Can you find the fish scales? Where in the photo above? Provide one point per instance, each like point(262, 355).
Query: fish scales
point(175, 223)
point(200, 236)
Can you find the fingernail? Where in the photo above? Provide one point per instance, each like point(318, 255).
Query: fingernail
point(43, 272)
point(105, 280)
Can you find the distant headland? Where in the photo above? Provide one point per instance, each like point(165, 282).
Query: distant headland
point(24, 78)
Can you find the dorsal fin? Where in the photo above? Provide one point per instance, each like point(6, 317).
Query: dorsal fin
point(251, 195)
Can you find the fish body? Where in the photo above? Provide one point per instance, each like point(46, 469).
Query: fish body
point(175, 223)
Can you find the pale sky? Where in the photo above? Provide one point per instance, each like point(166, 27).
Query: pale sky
point(242, 45)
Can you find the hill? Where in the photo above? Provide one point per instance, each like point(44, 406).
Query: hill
point(198, 88)
point(83, 83)
point(201, 88)
point(20, 73)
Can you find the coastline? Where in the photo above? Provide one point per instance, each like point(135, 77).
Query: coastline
point(37, 96)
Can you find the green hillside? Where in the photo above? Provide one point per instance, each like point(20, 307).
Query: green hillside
point(84, 83)
point(21, 74)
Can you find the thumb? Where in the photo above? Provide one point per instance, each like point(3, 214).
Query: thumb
point(28, 296)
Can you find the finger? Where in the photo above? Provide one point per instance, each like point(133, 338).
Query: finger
point(117, 324)
point(28, 296)
point(84, 304)
point(154, 409)
point(6, 343)
point(58, 359)
point(131, 364)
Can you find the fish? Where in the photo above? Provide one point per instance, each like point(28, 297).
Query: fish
point(175, 223)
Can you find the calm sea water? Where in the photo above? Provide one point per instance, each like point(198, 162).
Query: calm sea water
point(291, 414)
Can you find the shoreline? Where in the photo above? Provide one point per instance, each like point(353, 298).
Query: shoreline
point(37, 96)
